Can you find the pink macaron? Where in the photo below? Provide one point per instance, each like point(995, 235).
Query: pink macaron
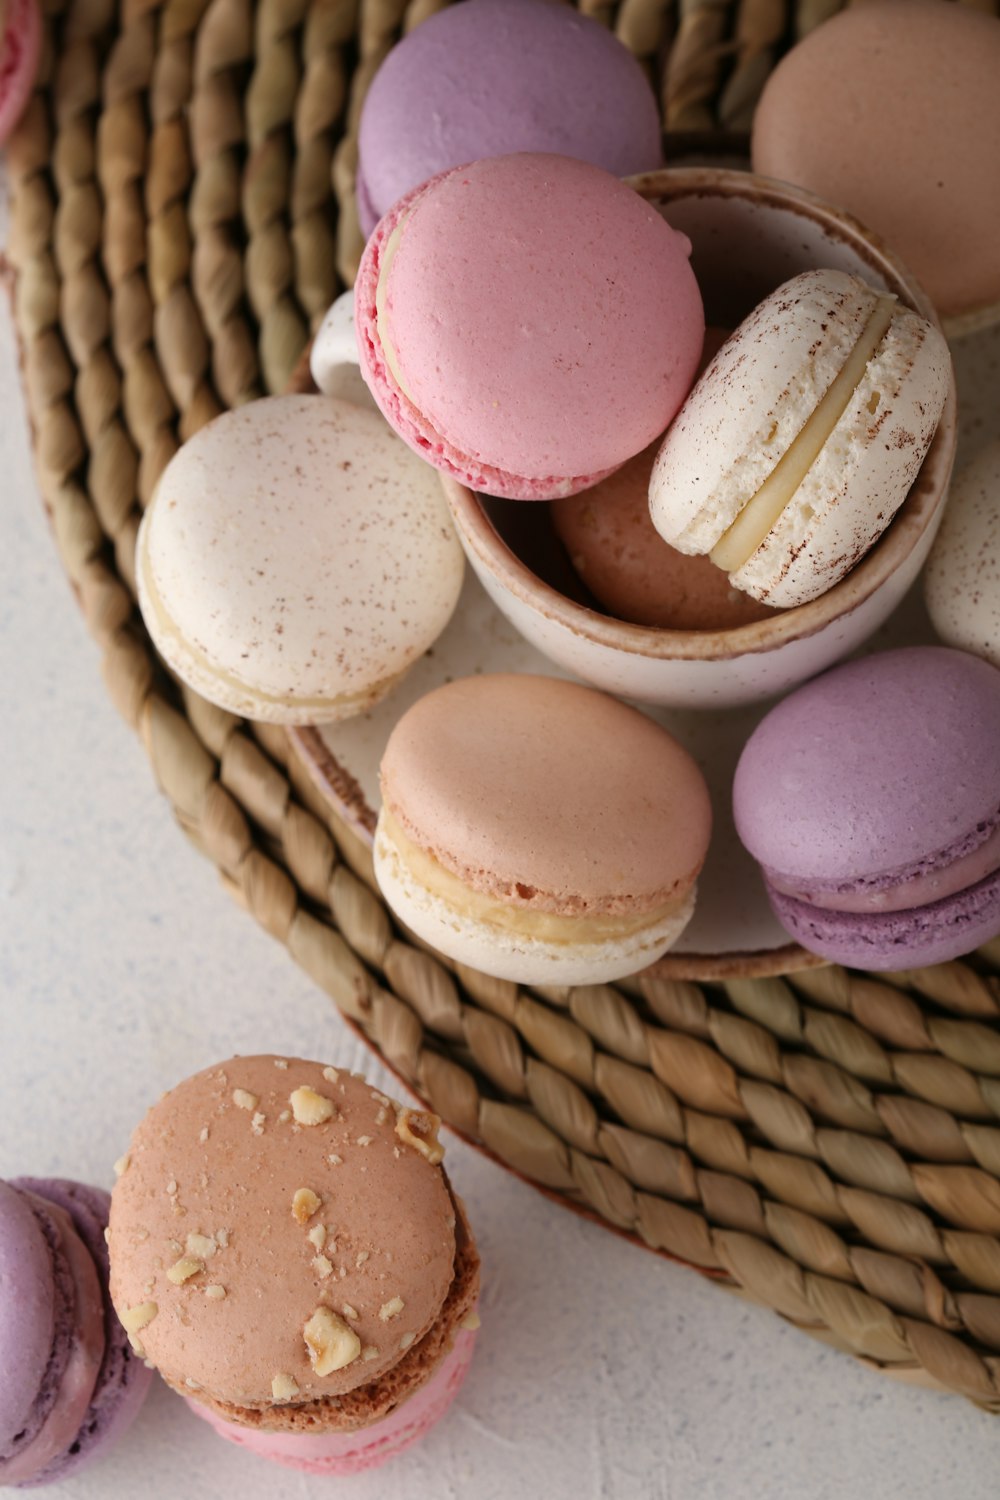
point(527, 323)
point(20, 45)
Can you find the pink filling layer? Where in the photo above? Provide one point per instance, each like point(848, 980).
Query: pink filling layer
point(350, 1452)
point(76, 1388)
point(919, 890)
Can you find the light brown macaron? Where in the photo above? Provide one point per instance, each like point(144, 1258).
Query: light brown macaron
point(539, 830)
point(285, 1246)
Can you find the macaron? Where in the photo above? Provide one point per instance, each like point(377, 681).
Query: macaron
point(962, 577)
point(892, 111)
point(333, 355)
point(802, 438)
point(871, 799)
point(538, 830)
point(69, 1384)
point(295, 560)
point(617, 552)
point(527, 323)
point(498, 76)
point(20, 48)
point(286, 1249)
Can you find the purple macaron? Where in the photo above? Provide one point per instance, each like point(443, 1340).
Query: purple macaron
point(871, 799)
point(492, 77)
point(69, 1383)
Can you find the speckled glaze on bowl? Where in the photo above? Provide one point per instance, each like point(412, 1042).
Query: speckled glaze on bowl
point(749, 234)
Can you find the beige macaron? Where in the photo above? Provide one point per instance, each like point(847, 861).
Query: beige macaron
point(800, 441)
point(962, 578)
point(295, 559)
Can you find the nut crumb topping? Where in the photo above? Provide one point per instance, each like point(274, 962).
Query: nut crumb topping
point(380, 1098)
point(382, 1116)
point(304, 1204)
point(182, 1270)
point(331, 1343)
point(335, 1160)
point(135, 1319)
point(257, 1123)
point(362, 1256)
point(203, 1134)
point(222, 1238)
point(284, 1388)
point(121, 1165)
point(192, 1385)
point(417, 1128)
point(317, 1236)
point(331, 1075)
point(201, 1246)
point(279, 1062)
point(310, 1108)
point(107, 1234)
point(322, 1266)
point(284, 1117)
point(350, 1312)
point(215, 1293)
point(364, 1140)
point(243, 1099)
point(172, 1188)
point(369, 1352)
point(407, 1340)
point(471, 1321)
point(391, 1309)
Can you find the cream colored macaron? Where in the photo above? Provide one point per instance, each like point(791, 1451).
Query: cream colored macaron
point(799, 443)
point(962, 579)
point(295, 559)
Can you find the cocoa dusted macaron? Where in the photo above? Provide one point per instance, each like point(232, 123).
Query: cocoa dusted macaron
point(287, 1251)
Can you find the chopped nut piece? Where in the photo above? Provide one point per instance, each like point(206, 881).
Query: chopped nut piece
point(192, 1385)
point(257, 1123)
point(317, 1236)
point(183, 1269)
point(222, 1238)
point(215, 1293)
point(310, 1108)
point(350, 1312)
point(203, 1134)
point(369, 1352)
point(471, 1321)
point(331, 1343)
point(416, 1128)
point(202, 1246)
point(364, 1140)
point(121, 1165)
point(331, 1075)
point(172, 1188)
point(362, 1256)
point(407, 1340)
point(134, 1319)
point(304, 1204)
point(107, 1235)
point(279, 1062)
point(391, 1309)
point(322, 1266)
point(243, 1099)
point(284, 1117)
point(380, 1098)
point(382, 1116)
point(335, 1160)
point(284, 1387)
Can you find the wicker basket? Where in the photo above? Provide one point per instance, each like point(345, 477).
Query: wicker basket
point(826, 1142)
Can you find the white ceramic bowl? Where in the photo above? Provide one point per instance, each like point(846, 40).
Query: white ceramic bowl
point(749, 234)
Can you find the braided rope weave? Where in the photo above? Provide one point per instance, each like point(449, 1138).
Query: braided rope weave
point(827, 1143)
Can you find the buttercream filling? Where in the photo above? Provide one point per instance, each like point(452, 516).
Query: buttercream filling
point(76, 1389)
point(334, 703)
point(738, 544)
point(543, 926)
point(917, 890)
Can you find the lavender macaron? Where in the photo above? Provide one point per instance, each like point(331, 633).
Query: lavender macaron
point(69, 1383)
point(871, 799)
point(491, 77)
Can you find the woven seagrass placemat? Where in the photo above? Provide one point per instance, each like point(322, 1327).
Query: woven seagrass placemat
point(828, 1142)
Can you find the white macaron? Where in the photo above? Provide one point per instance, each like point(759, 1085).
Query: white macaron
point(962, 579)
point(797, 446)
point(295, 559)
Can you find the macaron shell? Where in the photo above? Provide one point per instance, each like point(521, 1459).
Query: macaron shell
point(933, 934)
point(863, 473)
point(27, 1314)
point(877, 769)
point(545, 320)
point(752, 402)
point(20, 47)
point(962, 577)
point(548, 794)
point(344, 1453)
point(296, 559)
point(497, 77)
point(845, 115)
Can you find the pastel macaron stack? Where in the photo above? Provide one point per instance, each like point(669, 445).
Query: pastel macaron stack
point(287, 1250)
point(69, 1383)
point(295, 560)
point(871, 799)
point(495, 77)
point(539, 831)
point(527, 323)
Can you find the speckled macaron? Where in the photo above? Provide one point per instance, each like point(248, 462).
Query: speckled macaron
point(962, 577)
point(295, 560)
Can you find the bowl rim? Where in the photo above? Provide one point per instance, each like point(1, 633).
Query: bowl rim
point(919, 510)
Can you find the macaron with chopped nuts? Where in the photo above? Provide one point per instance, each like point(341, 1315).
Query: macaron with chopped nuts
point(287, 1250)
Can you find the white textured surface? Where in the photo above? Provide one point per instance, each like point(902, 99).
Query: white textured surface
point(602, 1371)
